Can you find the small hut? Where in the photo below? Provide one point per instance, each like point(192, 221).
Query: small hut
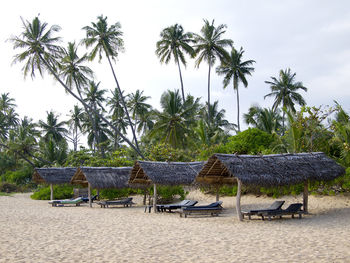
point(164, 173)
point(269, 170)
point(101, 178)
point(53, 175)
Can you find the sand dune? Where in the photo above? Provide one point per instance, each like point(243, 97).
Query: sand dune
point(33, 231)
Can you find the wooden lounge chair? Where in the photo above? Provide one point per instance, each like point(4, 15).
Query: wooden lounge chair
point(211, 209)
point(76, 201)
point(126, 202)
point(86, 198)
point(277, 205)
point(170, 207)
point(290, 210)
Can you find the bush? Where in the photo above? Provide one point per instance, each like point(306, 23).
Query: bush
point(167, 194)
point(117, 193)
point(18, 177)
point(59, 192)
point(9, 188)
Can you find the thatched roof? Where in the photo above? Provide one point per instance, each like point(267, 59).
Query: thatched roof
point(102, 177)
point(53, 175)
point(269, 170)
point(164, 173)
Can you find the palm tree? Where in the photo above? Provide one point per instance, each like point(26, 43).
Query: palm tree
point(41, 53)
point(138, 106)
point(210, 46)
point(107, 40)
point(285, 90)
point(264, 119)
point(173, 125)
point(118, 116)
point(174, 42)
point(94, 98)
point(6, 103)
point(53, 128)
point(76, 118)
point(233, 68)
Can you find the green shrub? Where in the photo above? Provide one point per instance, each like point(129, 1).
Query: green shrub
point(9, 188)
point(18, 177)
point(118, 193)
point(168, 194)
point(228, 190)
point(59, 192)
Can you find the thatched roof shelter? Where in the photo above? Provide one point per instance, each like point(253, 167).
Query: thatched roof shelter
point(53, 175)
point(164, 173)
point(269, 170)
point(102, 177)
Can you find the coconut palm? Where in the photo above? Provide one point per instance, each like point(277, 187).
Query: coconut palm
point(138, 106)
point(108, 41)
point(233, 68)
point(6, 103)
point(41, 53)
point(173, 124)
point(53, 128)
point(285, 90)
point(264, 119)
point(210, 46)
point(174, 42)
point(76, 118)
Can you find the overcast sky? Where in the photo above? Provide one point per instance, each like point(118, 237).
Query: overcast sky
point(310, 37)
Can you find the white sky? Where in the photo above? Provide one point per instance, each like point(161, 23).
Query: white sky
point(311, 37)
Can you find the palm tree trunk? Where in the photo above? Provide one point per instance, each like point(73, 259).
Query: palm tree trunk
point(75, 138)
point(90, 108)
point(182, 85)
point(239, 127)
point(123, 102)
point(209, 92)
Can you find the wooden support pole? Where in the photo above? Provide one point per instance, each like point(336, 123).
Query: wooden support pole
point(89, 194)
point(238, 200)
point(155, 198)
point(217, 194)
point(306, 197)
point(51, 194)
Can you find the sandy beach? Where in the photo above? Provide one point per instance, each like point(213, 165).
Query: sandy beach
point(33, 231)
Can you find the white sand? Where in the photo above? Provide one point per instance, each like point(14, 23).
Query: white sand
point(33, 231)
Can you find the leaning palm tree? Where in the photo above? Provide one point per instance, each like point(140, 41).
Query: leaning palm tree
point(41, 53)
point(174, 42)
point(285, 90)
point(233, 68)
point(209, 46)
point(107, 40)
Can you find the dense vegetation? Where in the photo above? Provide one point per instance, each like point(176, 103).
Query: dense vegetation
point(121, 128)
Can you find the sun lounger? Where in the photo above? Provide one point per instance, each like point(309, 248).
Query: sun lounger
point(170, 207)
point(126, 202)
point(211, 209)
point(86, 199)
point(273, 207)
point(290, 210)
point(76, 201)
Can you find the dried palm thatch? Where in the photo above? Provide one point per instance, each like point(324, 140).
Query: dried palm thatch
point(53, 175)
point(269, 170)
point(102, 177)
point(164, 173)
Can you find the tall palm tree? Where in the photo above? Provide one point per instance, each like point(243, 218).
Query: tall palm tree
point(209, 46)
point(173, 125)
point(107, 40)
point(53, 128)
point(41, 53)
point(264, 119)
point(76, 118)
point(174, 42)
point(138, 106)
point(285, 90)
point(118, 116)
point(6, 103)
point(94, 98)
point(233, 68)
